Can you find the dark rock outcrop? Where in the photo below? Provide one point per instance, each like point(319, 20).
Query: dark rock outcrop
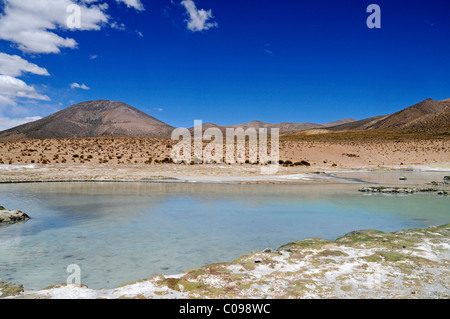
point(11, 216)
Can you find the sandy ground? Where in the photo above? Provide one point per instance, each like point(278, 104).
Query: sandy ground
point(141, 159)
point(211, 174)
point(149, 150)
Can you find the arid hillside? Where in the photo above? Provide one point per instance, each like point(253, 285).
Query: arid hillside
point(99, 118)
point(428, 116)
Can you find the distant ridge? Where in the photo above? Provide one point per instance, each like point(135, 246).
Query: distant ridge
point(426, 116)
point(100, 118)
point(103, 118)
point(285, 127)
point(339, 122)
point(358, 125)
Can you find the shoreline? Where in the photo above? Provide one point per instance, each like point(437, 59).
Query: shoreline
point(309, 268)
point(204, 173)
point(409, 263)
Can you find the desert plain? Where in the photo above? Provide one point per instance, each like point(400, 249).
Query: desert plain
point(140, 158)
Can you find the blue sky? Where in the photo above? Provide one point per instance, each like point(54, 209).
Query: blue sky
point(225, 62)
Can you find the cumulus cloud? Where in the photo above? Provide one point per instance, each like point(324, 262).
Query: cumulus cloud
point(12, 88)
point(198, 18)
point(79, 86)
point(137, 4)
point(159, 109)
point(32, 24)
point(36, 26)
point(15, 66)
point(7, 123)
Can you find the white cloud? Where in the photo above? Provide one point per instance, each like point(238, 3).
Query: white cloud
point(12, 88)
point(79, 86)
point(117, 26)
point(198, 19)
point(32, 24)
point(94, 57)
point(14, 65)
point(6, 100)
point(158, 109)
point(137, 4)
point(7, 123)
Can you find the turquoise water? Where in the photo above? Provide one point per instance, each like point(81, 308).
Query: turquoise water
point(122, 232)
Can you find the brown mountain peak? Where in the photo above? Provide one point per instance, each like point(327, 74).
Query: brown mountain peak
point(92, 119)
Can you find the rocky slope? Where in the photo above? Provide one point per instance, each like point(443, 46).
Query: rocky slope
point(426, 116)
point(100, 118)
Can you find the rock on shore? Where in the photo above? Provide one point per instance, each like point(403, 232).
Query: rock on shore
point(8, 289)
point(401, 190)
point(11, 216)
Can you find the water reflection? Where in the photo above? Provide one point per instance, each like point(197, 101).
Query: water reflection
point(120, 232)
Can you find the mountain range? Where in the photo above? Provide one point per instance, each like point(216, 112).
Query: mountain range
point(427, 116)
point(285, 127)
point(103, 118)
